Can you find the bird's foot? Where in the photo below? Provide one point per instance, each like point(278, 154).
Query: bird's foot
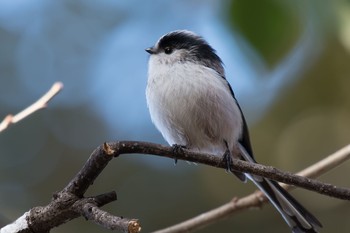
point(177, 149)
point(228, 161)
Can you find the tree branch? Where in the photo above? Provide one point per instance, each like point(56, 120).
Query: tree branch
point(109, 221)
point(71, 203)
point(327, 163)
point(255, 199)
point(238, 165)
point(39, 104)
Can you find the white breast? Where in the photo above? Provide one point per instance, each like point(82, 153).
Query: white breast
point(192, 106)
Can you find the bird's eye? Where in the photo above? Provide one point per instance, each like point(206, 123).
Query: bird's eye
point(168, 50)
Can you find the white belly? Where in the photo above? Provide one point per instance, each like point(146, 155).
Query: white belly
point(192, 106)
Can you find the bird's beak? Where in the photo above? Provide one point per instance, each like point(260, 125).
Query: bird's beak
point(151, 50)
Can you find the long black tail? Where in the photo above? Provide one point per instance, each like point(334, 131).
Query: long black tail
point(297, 217)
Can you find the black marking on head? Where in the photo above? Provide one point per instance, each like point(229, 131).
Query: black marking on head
point(198, 49)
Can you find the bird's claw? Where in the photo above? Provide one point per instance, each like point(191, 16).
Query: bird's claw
point(177, 149)
point(228, 161)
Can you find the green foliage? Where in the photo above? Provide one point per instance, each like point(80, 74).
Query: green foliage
point(270, 26)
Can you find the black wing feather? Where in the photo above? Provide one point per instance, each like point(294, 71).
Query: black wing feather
point(244, 139)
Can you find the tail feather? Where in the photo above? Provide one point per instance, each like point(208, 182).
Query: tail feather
point(297, 217)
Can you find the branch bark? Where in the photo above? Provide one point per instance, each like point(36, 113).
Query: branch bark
point(70, 203)
point(238, 165)
point(255, 199)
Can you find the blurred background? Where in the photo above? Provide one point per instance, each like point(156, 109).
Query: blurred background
point(287, 60)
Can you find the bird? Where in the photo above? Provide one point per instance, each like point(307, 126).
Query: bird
point(193, 106)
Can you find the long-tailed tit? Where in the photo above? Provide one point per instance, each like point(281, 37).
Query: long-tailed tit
point(192, 105)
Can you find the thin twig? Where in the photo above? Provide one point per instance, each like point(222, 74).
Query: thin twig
point(39, 104)
point(327, 164)
point(323, 166)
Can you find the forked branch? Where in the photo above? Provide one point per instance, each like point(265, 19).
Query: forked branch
point(71, 203)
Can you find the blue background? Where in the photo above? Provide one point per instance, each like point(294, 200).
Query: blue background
point(287, 61)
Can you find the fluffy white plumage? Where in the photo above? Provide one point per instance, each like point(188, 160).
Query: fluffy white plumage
point(191, 105)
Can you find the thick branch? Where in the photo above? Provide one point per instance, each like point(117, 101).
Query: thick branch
point(97, 161)
point(70, 202)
